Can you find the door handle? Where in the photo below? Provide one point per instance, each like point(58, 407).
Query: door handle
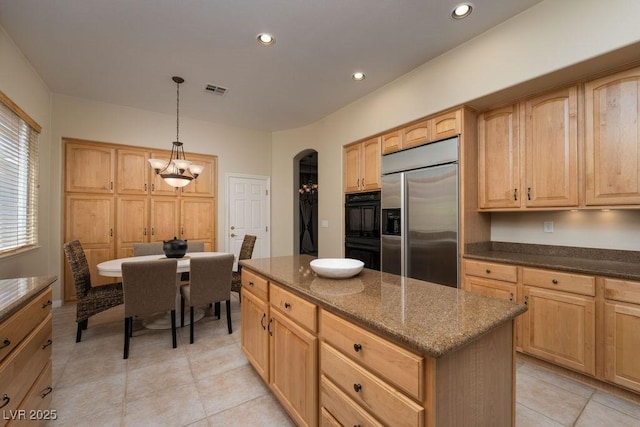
point(233, 235)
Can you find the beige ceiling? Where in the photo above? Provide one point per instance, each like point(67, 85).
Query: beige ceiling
point(125, 52)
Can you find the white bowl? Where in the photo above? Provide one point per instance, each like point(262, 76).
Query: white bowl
point(336, 268)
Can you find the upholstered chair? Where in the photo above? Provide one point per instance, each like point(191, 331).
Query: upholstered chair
point(210, 283)
point(90, 299)
point(142, 249)
point(246, 250)
point(149, 288)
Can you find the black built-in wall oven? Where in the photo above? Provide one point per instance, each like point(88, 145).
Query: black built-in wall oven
point(362, 228)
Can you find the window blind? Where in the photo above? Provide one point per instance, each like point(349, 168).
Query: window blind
point(18, 182)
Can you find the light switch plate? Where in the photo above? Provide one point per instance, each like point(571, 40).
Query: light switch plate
point(548, 226)
point(325, 223)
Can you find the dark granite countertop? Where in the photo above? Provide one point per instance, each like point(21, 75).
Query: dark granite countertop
point(427, 318)
point(15, 293)
point(602, 262)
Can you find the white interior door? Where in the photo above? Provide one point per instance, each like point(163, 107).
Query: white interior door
point(248, 207)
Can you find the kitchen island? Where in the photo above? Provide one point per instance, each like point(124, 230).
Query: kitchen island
point(377, 349)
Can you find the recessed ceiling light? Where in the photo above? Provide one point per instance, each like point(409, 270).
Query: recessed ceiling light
point(266, 39)
point(358, 76)
point(461, 11)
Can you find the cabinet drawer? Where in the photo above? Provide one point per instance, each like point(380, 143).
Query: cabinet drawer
point(490, 270)
point(299, 310)
point(568, 282)
point(255, 284)
point(18, 326)
point(39, 397)
point(327, 420)
point(622, 290)
point(20, 370)
point(344, 410)
point(396, 365)
point(383, 401)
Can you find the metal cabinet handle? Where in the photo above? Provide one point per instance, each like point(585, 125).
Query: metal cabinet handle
point(511, 296)
point(269, 327)
point(262, 321)
point(144, 231)
point(529, 193)
point(47, 344)
point(6, 399)
point(5, 343)
point(357, 347)
point(515, 194)
point(357, 387)
point(287, 305)
point(250, 283)
point(526, 300)
point(488, 271)
point(153, 187)
point(145, 187)
point(554, 281)
point(153, 231)
point(46, 304)
point(46, 391)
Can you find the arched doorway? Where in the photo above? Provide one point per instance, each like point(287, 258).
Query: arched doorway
point(306, 194)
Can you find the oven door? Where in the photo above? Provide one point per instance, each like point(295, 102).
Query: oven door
point(362, 220)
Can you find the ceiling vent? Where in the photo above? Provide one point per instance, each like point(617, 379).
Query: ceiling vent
point(217, 90)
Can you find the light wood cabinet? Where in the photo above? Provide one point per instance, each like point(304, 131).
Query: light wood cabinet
point(445, 125)
point(560, 327)
point(89, 168)
point(612, 139)
point(133, 172)
point(392, 141)
point(25, 362)
point(362, 166)
point(416, 134)
point(528, 153)
point(550, 140)
point(114, 199)
point(499, 159)
point(255, 338)
point(491, 288)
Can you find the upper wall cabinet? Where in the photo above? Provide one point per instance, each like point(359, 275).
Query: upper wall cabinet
point(362, 166)
point(89, 168)
point(499, 159)
point(430, 129)
point(133, 171)
point(612, 139)
point(203, 186)
point(528, 153)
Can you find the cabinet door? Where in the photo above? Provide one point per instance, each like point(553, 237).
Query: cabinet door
point(203, 185)
point(255, 338)
point(551, 149)
point(499, 159)
point(133, 223)
point(392, 142)
point(622, 338)
point(352, 158)
point(560, 327)
point(491, 288)
point(165, 220)
point(90, 219)
point(158, 186)
point(371, 178)
point(89, 168)
point(612, 139)
point(417, 134)
point(133, 172)
point(445, 125)
point(293, 369)
point(196, 219)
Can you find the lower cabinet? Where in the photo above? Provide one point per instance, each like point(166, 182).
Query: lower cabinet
point(255, 338)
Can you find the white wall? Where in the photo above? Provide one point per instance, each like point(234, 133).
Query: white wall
point(22, 84)
point(238, 150)
point(548, 37)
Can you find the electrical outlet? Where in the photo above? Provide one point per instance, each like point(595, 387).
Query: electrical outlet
point(548, 226)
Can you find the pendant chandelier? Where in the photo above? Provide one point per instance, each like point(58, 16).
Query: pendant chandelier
point(178, 171)
point(309, 193)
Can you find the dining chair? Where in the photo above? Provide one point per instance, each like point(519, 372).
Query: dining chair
point(191, 247)
point(210, 283)
point(90, 300)
point(149, 288)
point(246, 251)
point(142, 249)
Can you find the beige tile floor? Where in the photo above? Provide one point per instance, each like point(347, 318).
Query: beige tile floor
point(210, 382)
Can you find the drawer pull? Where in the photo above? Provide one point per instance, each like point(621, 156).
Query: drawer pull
point(262, 321)
point(46, 391)
point(46, 304)
point(5, 399)
point(250, 283)
point(357, 387)
point(47, 344)
point(488, 271)
point(554, 281)
point(287, 305)
point(269, 327)
point(357, 347)
point(5, 343)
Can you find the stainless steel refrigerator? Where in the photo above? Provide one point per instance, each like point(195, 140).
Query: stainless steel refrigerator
point(419, 205)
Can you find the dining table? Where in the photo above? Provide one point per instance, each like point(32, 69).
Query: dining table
point(113, 268)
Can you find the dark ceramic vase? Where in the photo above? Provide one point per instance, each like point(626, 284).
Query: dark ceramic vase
point(175, 248)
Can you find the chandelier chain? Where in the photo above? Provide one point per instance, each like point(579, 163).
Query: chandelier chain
point(177, 111)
